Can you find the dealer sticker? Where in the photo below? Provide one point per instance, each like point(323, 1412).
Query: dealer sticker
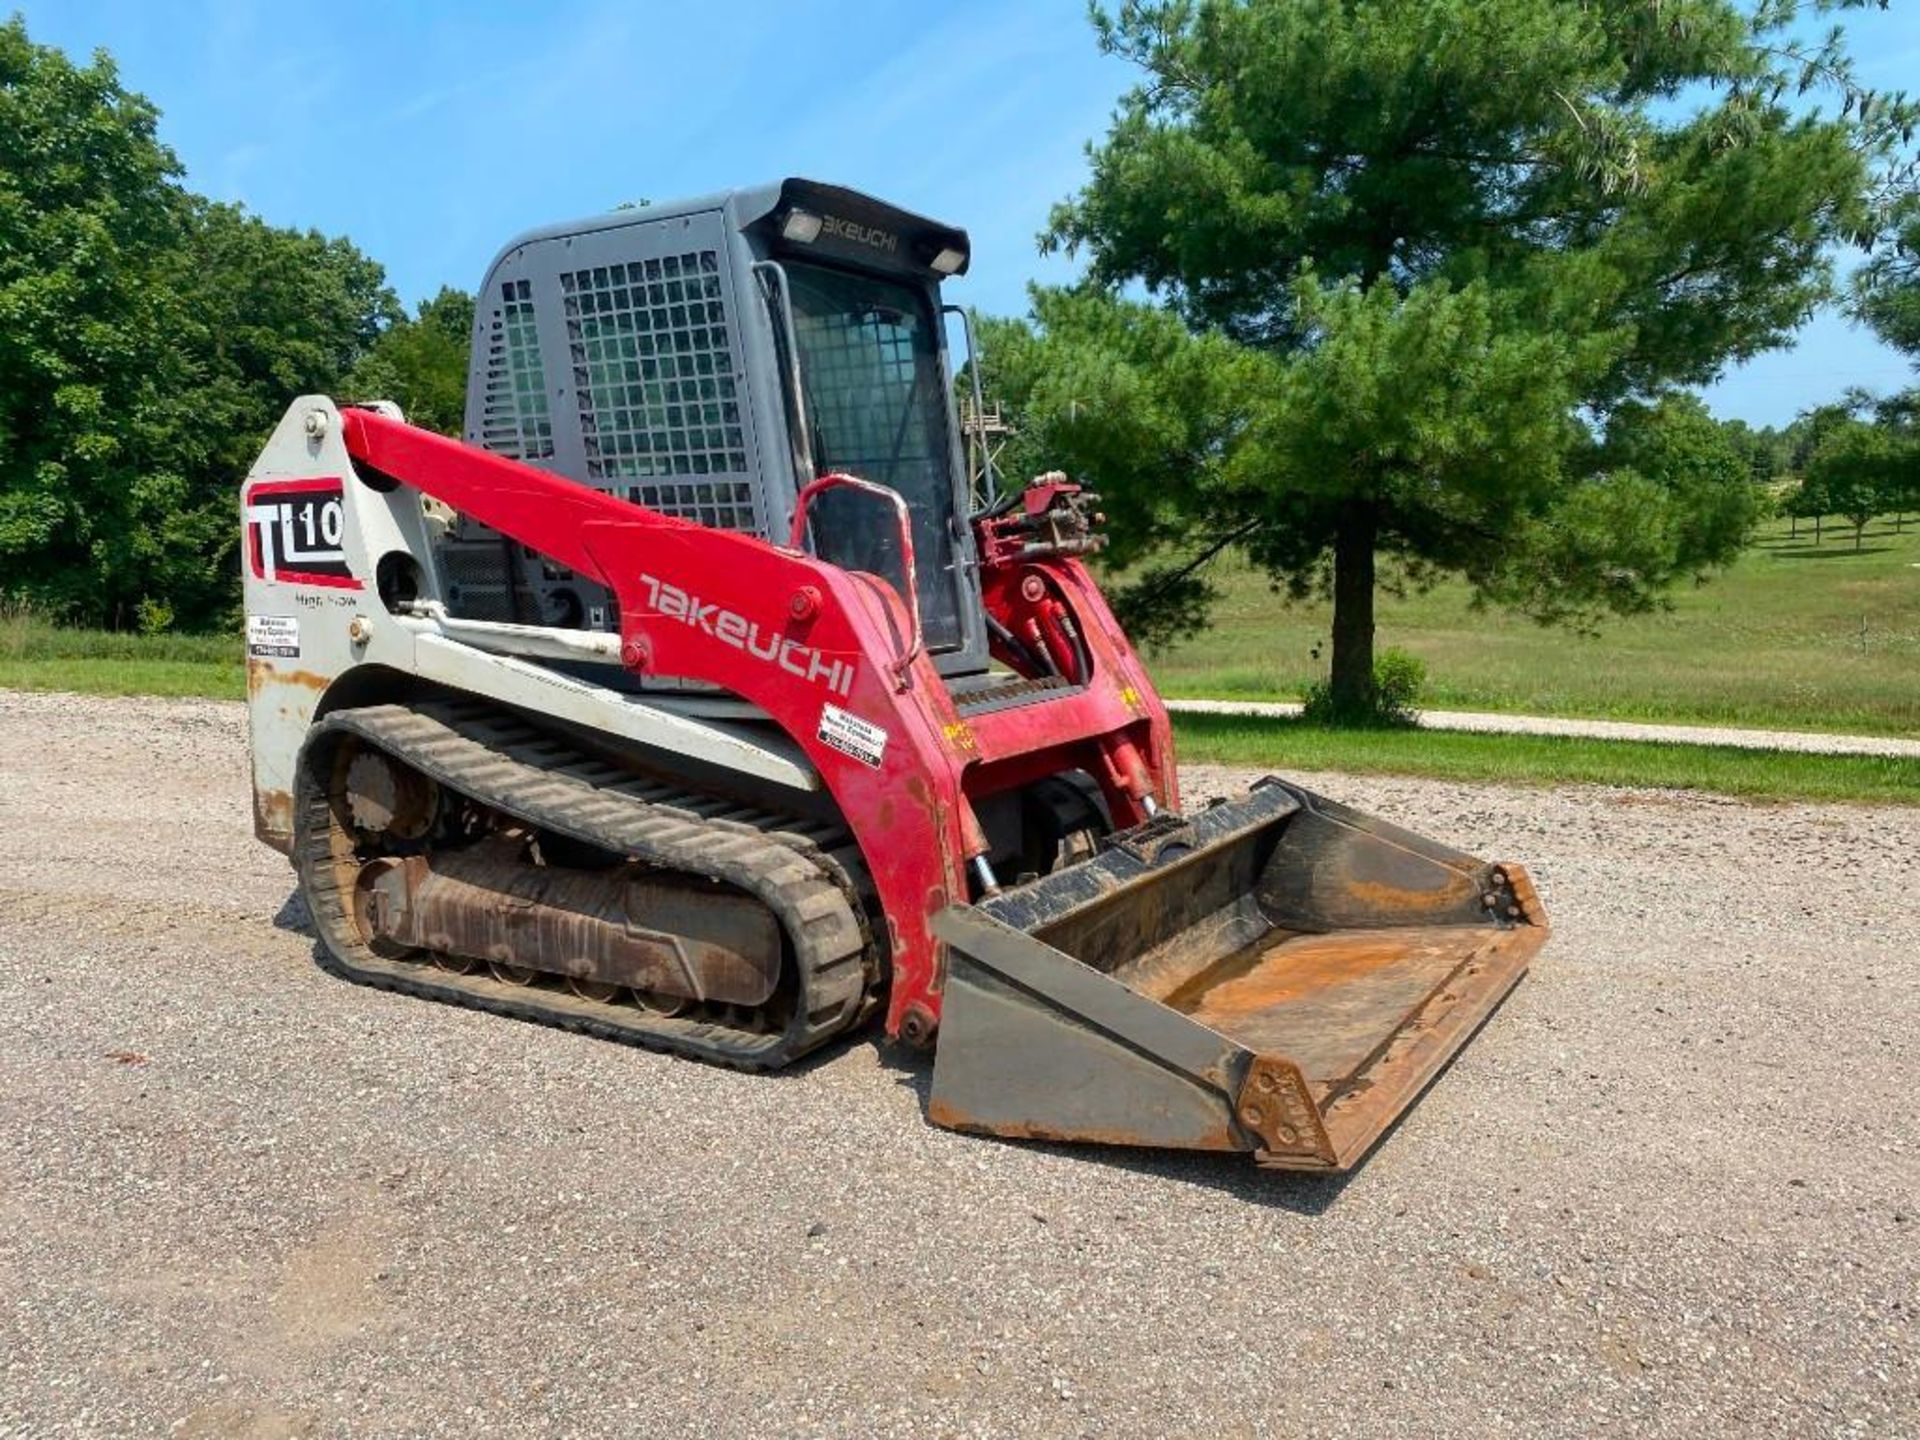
point(850, 735)
point(274, 635)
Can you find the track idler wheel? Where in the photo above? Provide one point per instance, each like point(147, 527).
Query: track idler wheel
point(659, 1002)
point(507, 973)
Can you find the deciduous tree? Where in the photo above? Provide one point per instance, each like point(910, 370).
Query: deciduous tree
point(421, 364)
point(89, 215)
point(1853, 473)
point(148, 341)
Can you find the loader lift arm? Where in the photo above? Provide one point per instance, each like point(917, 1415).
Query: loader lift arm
point(812, 644)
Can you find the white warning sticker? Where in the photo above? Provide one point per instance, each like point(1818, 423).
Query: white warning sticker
point(850, 735)
point(274, 635)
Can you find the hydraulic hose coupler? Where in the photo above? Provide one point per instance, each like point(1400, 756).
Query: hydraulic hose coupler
point(983, 875)
point(1127, 771)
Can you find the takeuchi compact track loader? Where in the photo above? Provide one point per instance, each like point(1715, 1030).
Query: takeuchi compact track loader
point(701, 699)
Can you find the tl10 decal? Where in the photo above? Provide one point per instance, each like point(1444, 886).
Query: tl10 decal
point(295, 533)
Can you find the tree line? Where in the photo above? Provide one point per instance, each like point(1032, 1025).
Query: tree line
point(149, 340)
point(1857, 459)
point(1860, 458)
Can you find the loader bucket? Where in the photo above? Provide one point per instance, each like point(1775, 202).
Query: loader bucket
point(1276, 974)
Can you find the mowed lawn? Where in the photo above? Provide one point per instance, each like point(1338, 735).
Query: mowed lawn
point(1792, 636)
point(35, 655)
point(1290, 745)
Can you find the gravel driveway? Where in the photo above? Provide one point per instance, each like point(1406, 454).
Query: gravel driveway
point(1671, 1190)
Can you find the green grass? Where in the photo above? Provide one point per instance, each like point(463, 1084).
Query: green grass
point(1289, 745)
point(1791, 637)
point(36, 655)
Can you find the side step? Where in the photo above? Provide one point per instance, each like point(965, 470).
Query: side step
point(1279, 975)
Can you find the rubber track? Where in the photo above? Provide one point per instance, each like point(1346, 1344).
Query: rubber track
point(508, 765)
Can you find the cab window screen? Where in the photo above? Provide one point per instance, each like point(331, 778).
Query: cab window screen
point(870, 369)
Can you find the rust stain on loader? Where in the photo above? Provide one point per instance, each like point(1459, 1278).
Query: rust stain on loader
point(1399, 902)
point(1526, 898)
point(625, 926)
point(273, 818)
point(1276, 1105)
point(262, 673)
point(1266, 974)
point(1359, 1106)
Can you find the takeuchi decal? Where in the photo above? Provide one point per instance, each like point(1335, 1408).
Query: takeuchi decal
point(296, 532)
point(730, 627)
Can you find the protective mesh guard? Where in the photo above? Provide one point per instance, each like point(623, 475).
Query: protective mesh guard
point(514, 418)
point(654, 370)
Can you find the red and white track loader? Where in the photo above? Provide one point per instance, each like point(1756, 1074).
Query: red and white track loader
point(697, 700)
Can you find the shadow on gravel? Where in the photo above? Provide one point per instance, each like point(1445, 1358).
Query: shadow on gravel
point(294, 917)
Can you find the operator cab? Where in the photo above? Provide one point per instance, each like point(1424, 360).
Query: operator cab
point(711, 358)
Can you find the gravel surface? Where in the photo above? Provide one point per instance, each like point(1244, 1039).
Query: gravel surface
point(1489, 723)
point(1670, 1190)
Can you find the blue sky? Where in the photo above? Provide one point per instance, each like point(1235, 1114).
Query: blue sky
point(430, 134)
